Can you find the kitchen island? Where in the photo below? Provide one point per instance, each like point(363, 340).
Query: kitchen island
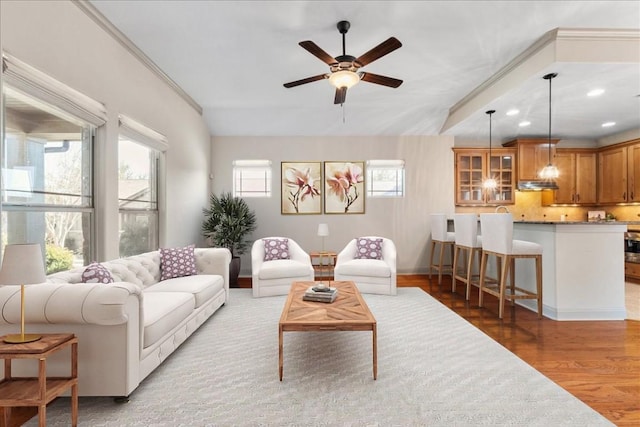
point(582, 268)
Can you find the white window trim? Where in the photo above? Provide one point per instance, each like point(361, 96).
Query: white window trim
point(67, 101)
point(135, 130)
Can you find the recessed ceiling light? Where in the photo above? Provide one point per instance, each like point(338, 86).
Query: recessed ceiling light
point(524, 124)
point(595, 92)
point(513, 112)
point(608, 124)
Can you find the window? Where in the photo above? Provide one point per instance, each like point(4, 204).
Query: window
point(138, 172)
point(46, 190)
point(385, 178)
point(252, 178)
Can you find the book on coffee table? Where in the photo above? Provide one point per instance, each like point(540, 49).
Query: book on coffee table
point(322, 295)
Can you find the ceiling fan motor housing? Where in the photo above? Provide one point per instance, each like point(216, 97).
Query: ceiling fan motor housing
point(345, 62)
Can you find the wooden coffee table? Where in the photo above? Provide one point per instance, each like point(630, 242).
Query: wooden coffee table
point(349, 312)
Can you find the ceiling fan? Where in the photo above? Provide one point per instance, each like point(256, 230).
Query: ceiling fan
point(344, 68)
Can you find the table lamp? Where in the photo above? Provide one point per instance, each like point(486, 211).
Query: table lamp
point(323, 231)
point(22, 265)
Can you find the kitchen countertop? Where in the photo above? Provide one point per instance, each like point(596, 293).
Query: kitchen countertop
point(579, 222)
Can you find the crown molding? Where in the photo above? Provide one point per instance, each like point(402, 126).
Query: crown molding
point(93, 13)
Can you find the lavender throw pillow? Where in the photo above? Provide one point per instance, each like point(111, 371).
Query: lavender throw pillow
point(96, 273)
point(276, 249)
point(368, 248)
point(177, 262)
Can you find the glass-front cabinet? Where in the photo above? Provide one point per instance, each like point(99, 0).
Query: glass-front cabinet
point(472, 166)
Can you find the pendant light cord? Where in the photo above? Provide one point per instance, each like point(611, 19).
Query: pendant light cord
point(549, 139)
point(549, 77)
point(490, 112)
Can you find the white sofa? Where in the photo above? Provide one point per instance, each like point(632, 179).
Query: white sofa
point(125, 329)
point(269, 278)
point(372, 276)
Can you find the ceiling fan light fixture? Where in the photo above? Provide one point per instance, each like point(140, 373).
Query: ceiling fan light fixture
point(344, 78)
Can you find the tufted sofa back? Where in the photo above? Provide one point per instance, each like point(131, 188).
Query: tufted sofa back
point(144, 269)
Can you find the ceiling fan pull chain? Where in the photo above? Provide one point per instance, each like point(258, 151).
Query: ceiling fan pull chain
point(343, 114)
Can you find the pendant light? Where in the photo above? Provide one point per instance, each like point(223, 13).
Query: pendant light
point(489, 182)
point(549, 172)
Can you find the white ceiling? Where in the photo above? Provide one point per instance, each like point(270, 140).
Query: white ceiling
point(232, 58)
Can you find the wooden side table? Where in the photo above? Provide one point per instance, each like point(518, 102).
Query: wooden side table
point(17, 394)
point(326, 261)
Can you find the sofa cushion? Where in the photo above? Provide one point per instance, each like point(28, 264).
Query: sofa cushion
point(96, 273)
point(202, 286)
point(275, 249)
point(177, 262)
point(283, 268)
point(364, 267)
point(367, 248)
point(163, 311)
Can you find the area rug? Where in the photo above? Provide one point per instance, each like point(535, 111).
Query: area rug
point(434, 368)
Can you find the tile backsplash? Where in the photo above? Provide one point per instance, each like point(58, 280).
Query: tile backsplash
point(529, 207)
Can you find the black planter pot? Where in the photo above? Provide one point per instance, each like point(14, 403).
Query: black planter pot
point(234, 271)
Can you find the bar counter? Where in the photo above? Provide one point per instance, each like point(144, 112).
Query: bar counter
point(582, 268)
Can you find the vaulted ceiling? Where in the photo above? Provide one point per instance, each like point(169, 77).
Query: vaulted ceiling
point(232, 58)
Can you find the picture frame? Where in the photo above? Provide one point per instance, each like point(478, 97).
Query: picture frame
point(344, 187)
point(301, 188)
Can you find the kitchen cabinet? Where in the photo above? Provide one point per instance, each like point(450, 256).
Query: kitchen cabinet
point(619, 173)
point(632, 270)
point(633, 171)
point(472, 167)
point(577, 179)
point(532, 156)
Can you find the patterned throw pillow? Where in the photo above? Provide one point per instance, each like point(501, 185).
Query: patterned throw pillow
point(368, 248)
point(177, 262)
point(276, 249)
point(96, 273)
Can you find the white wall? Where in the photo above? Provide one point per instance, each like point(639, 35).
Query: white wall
point(57, 38)
point(429, 188)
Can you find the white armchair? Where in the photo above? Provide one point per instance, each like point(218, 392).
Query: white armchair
point(373, 276)
point(275, 277)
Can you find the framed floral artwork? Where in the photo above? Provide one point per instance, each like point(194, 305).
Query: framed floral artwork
point(344, 187)
point(301, 191)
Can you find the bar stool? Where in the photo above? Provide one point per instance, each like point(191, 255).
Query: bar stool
point(440, 235)
point(469, 244)
point(497, 240)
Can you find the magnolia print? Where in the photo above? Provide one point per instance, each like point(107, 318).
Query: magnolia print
point(344, 187)
point(301, 188)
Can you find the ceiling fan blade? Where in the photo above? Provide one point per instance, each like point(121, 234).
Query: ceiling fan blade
point(380, 80)
point(341, 95)
point(304, 81)
point(379, 51)
point(317, 51)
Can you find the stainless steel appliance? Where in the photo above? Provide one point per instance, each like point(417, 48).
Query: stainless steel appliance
point(632, 246)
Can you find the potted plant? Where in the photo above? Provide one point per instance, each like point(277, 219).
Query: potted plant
point(227, 223)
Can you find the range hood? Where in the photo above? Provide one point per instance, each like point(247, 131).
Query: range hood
point(537, 185)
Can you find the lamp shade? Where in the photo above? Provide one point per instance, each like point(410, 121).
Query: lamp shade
point(22, 265)
point(323, 230)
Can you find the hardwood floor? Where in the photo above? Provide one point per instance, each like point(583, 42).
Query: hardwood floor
point(598, 362)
